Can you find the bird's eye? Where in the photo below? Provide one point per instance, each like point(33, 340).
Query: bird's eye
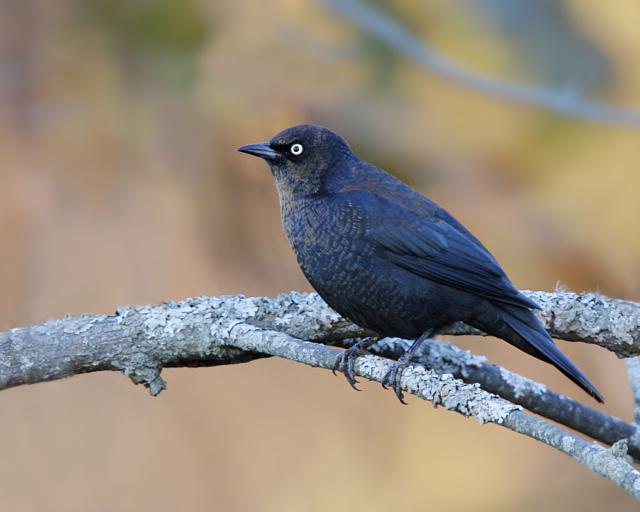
point(296, 149)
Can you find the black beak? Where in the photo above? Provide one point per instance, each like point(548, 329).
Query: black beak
point(261, 149)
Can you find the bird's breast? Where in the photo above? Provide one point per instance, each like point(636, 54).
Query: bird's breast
point(327, 244)
point(347, 271)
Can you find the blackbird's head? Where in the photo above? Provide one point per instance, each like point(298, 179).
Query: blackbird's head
point(302, 157)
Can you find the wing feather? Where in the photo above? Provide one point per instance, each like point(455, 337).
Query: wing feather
point(432, 247)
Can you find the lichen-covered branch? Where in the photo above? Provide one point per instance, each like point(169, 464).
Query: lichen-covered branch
point(592, 318)
point(141, 340)
point(613, 324)
point(446, 358)
point(454, 395)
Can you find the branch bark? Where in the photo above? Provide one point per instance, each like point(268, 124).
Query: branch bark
point(141, 340)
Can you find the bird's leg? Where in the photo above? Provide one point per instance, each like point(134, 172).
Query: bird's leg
point(346, 361)
point(394, 376)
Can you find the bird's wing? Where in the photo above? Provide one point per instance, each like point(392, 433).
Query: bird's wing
point(431, 247)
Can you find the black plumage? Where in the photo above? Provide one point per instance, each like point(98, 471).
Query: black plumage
point(388, 258)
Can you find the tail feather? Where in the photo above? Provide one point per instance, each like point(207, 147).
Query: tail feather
point(521, 328)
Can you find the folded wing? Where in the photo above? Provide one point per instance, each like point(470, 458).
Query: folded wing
point(432, 247)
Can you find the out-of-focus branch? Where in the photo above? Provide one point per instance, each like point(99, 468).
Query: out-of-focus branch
point(376, 24)
point(633, 368)
point(140, 341)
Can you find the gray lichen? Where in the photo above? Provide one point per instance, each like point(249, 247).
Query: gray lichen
point(611, 323)
point(522, 386)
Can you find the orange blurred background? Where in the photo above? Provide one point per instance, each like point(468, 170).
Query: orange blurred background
point(119, 185)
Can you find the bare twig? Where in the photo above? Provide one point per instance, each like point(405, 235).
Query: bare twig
point(375, 23)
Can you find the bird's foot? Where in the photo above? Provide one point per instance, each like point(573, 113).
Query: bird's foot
point(393, 378)
point(347, 359)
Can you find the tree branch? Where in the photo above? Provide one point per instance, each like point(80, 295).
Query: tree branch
point(376, 24)
point(140, 341)
point(446, 358)
point(453, 395)
point(587, 317)
point(633, 369)
point(613, 324)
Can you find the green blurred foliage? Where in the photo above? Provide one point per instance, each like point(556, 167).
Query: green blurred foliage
point(151, 26)
point(163, 37)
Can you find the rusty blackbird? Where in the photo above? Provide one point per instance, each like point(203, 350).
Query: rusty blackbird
point(388, 258)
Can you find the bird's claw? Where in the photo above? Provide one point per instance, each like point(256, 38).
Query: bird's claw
point(345, 364)
point(346, 361)
point(393, 378)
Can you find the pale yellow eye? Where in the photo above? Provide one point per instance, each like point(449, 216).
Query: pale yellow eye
point(296, 149)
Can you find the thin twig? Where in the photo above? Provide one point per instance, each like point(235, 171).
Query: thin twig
point(376, 24)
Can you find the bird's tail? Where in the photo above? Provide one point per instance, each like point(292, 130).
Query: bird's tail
point(521, 328)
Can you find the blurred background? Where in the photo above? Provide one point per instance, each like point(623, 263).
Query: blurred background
point(119, 185)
